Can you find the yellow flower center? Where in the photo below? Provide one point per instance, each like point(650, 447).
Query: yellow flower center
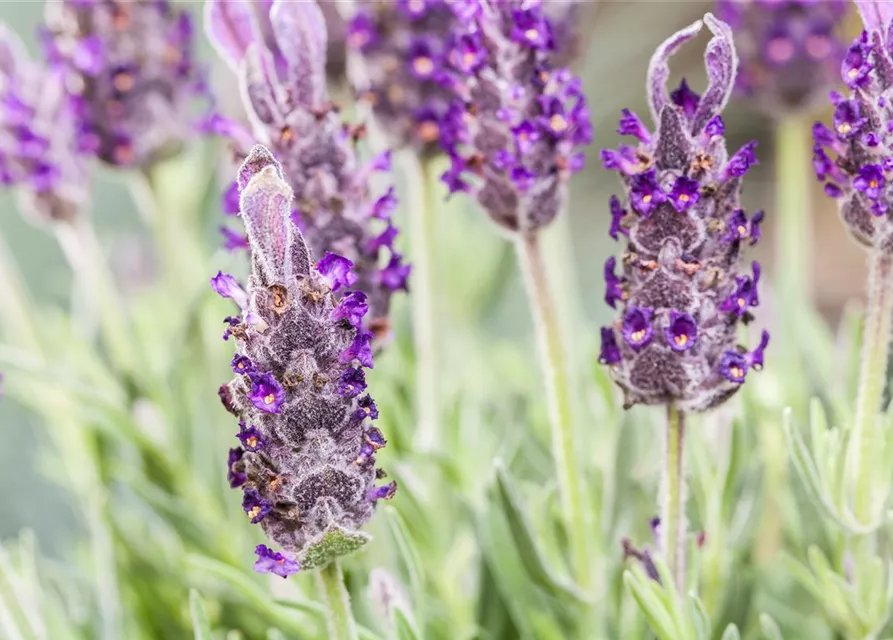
point(423, 65)
point(251, 442)
point(558, 122)
point(737, 372)
point(123, 81)
point(269, 398)
point(646, 199)
point(253, 511)
point(873, 184)
point(742, 302)
point(532, 34)
point(742, 230)
point(638, 336)
point(844, 127)
point(681, 340)
point(852, 73)
point(684, 197)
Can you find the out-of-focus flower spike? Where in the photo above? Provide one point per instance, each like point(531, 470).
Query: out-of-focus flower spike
point(659, 68)
point(301, 36)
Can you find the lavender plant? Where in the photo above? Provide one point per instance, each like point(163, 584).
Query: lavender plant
point(681, 290)
point(278, 51)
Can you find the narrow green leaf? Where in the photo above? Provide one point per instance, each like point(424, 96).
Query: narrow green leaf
point(410, 557)
point(770, 628)
point(201, 628)
point(651, 606)
point(731, 633)
point(522, 532)
point(404, 629)
point(699, 618)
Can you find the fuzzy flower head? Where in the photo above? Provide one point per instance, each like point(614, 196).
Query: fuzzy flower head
point(43, 147)
point(853, 157)
point(400, 50)
point(278, 50)
point(306, 461)
point(790, 54)
point(681, 290)
point(133, 67)
point(515, 131)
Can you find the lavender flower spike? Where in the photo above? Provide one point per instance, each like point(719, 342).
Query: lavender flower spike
point(279, 52)
point(852, 156)
point(684, 292)
point(307, 469)
point(132, 67)
point(42, 145)
point(790, 55)
point(515, 130)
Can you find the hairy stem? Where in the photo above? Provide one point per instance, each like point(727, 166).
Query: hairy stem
point(422, 207)
point(341, 623)
point(793, 139)
point(673, 522)
point(872, 379)
point(558, 393)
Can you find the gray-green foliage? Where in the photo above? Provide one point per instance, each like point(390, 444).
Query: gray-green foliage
point(472, 546)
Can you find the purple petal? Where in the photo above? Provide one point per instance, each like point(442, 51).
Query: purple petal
point(659, 69)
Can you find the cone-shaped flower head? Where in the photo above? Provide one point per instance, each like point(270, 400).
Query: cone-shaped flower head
point(43, 148)
point(515, 130)
point(400, 49)
point(306, 460)
point(681, 290)
point(852, 156)
point(132, 64)
point(789, 53)
point(278, 50)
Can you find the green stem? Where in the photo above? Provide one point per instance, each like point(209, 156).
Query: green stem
point(794, 237)
point(422, 208)
point(673, 515)
point(564, 446)
point(94, 278)
point(872, 379)
point(340, 619)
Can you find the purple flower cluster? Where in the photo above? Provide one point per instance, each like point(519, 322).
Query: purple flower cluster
point(132, 67)
point(402, 49)
point(306, 460)
point(789, 53)
point(515, 129)
point(278, 51)
point(852, 157)
point(43, 146)
point(680, 293)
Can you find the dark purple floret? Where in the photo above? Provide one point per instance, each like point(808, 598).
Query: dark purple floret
point(337, 271)
point(517, 121)
point(307, 460)
point(278, 50)
point(789, 53)
point(853, 157)
point(276, 563)
point(733, 366)
point(132, 67)
point(681, 293)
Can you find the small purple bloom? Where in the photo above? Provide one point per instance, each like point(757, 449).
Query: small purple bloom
point(631, 125)
point(525, 134)
point(857, 65)
point(226, 286)
point(740, 228)
point(467, 54)
point(745, 294)
point(716, 127)
point(352, 383)
point(614, 289)
point(733, 366)
point(396, 274)
point(366, 408)
point(352, 307)
point(276, 563)
point(617, 215)
point(531, 28)
point(848, 121)
point(685, 194)
point(385, 205)
point(637, 329)
point(755, 357)
point(251, 438)
point(266, 393)
point(685, 98)
point(681, 332)
point(242, 364)
point(740, 163)
point(610, 352)
point(645, 193)
point(230, 199)
point(254, 506)
point(422, 60)
point(233, 240)
point(337, 271)
point(384, 492)
point(360, 349)
point(870, 181)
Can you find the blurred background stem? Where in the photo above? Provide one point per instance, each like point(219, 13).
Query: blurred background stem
point(793, 140)
point(558, 395)
point(421, 183)
point(872, 380)
point(673, 508)
point(94, 280)
point(342, 625)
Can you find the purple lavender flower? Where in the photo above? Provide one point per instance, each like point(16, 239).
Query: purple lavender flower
point(789, 52)
point(278, 51)
point(307, 461)
point(133, 69)
point(683, 293)
point(43, 148)
point(853, 156)
point(515, 129)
